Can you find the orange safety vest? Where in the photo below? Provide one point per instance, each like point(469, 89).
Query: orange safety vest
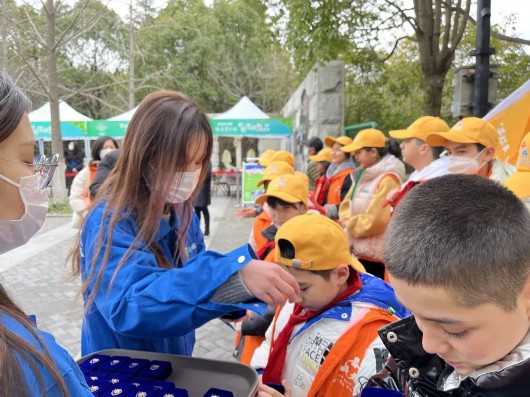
point(262, 222)
point(92, 172)
point(335, 376)
point(335, 187)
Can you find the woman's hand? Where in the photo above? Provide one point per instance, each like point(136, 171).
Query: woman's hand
point(245, 212)
point(269, 282)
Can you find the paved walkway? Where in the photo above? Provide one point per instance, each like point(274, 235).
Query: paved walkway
point(37, 276)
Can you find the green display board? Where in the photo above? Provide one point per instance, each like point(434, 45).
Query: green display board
point(69, 130)
point(252, 174)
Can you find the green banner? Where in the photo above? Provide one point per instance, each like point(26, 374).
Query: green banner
point(69, 129)
point(250, 128)
point(115, 129)
point(252, 174)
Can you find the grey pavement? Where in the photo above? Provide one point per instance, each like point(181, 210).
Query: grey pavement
point(37, 277)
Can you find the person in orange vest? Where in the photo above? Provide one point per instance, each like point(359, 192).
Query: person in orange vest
point(327, 343)
point(471, 145)
point(79, 198)
point(519, 183)
point(338, 180)
point(263, 220)
point(362, 212)
point(322, 160)
point(286, 197)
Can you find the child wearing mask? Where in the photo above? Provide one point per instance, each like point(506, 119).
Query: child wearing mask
point(471, 145)
point(362, 212)
point(326, 344)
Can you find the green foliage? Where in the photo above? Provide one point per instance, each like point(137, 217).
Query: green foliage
point(62, 208)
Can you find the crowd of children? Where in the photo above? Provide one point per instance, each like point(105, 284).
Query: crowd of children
point(362, 221)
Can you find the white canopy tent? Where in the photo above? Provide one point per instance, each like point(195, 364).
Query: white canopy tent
point(127, 116)
point(244, 109)
point(41, 123)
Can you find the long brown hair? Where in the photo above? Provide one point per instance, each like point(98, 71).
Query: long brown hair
point(165, 132)
point(13, 349)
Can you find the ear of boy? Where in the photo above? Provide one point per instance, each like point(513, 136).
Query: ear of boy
point(342, 273)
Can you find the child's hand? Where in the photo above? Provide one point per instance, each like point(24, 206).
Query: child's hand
point(244, 212)
point(392, 196)
point(266, 391)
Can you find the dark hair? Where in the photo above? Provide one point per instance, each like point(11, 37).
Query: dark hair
point(480, 147)
point(98, 145)
point(463, 233)
point(13, 105)
point(316, 143)
point(436, 151)
point(392, 147)
point(275, 201)
point(14, 349)
point(287, 251)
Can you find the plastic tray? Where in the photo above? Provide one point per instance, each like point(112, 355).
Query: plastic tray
point(198, 375)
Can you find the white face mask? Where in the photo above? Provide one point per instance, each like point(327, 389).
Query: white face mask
point(71, 146)
point(104, 152)
point(463, 164)
point(183, 186)
point(14, 233)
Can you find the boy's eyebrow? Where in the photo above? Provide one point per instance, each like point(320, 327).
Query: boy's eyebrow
point(442, 320)
point(302, 284)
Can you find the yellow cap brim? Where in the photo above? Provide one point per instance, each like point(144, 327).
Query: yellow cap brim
point(285, 196)
point(317, 158)
point(357, 265)
point(352, 147)
point(329, 141)
point(401, 134)
point(439, 138)
point(519, 183)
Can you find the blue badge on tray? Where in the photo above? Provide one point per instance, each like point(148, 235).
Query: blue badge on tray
point(97, 387)
point(114, 364)
point(134, 366)
point(156, 370)
point(175, 392)
point(94, 362)
point(123, 390)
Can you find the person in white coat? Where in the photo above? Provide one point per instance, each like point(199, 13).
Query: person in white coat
point(79, 199)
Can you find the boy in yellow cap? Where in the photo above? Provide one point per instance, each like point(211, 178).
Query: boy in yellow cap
point(419, 155)
point(286, 197)
point(264, 159)
point(337, 181)
point(327, 343)
point(471, 145)
point(519, 183)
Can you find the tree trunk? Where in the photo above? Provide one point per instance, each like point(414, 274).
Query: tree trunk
point(59, 184)
point(3, 26)
point(132, 55)
point(432, 93)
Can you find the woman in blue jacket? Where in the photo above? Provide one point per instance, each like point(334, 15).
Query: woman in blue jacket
point(31, 362)
point(147, 281)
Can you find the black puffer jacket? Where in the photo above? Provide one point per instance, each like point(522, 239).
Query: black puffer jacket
point(419, 374)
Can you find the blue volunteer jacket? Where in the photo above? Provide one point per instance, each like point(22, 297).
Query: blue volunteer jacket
point(66, 366)
point(150, 308)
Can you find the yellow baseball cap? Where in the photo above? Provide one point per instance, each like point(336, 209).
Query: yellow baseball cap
point(467, 130)
point(303, 177)
point(319, 244)
point(369, 137)
point(323, 155)
point(421, 128)
point(289, 188)
point(280, 155)
point(266, 155)
point(341, 140)
point(276, 168)
point(519, 183)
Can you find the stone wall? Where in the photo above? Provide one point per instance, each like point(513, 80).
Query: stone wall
point(317, 106)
